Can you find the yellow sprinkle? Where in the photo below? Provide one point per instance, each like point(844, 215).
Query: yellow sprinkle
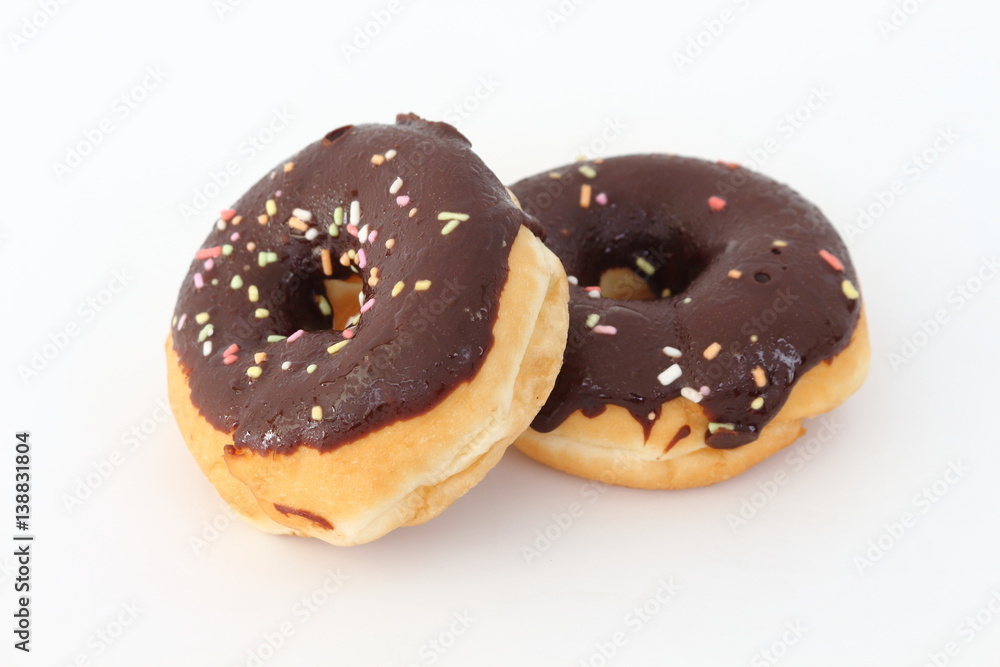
point(262, 218)
point(735, 274)
point(271, 207)
point(289, 166)
point(255, 371)
point(324, 305)
point(588, 171)
point(378, 159)
point(201, 318)
point(398, 287)
point(759, 378)
point(585, 195)
point(261, 313)
point(448, 215)
point(317, 413)
point(554, 174)
point(311, 368)
point(259, 357)
point(450, 227)
point(421, 285)
point(665, 293)
point(645, 266)
point(712, 351)
point(754, 338)
point(757, 403)
point(779, 244)
point(849, 291)
point(336, 347)
point(253, 294)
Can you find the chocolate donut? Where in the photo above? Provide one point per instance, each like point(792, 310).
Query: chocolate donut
point(711, 309)
point(363, 333)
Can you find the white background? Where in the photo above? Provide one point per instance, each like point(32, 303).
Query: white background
point(553, 88)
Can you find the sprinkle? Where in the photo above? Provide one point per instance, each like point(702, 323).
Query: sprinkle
point(334, 230)
point(261, 313)
point(651, 416)
point(206, 349)
point(263, 218)
point(672, 352)
point(235, 236)
point(759, 378)
point(363, 234)
point(262, 259)
point(687, 299)
point(716, 204)
point(274, 338)
point(230, 359)
point(645, 266)
point(754, 338)
point(289, 166)
point(201, 318)
point(448, 215)
point(779, 244)
point(317, 413)
point(715, 426)
point(605, 329)
point(338, 216)
point(227, 214)
point(324, 305)
point(238, 219)
point(594, 293)
point(390, 243)
point(396, 185)
point(311, 368)
point(311, 234)
point(220, 225)
point(362, 259)
point(231, 350)
point(585, 190)
point(691, 394)
point(180, 322)
point(215, 281)
point(327, 261)
point(285, 365)
point(421, 285)
point(227, 249)
point(345, 260)
point(378, 159)
point(572, 280)
point(336, 347)
point(355, 212)
point(253, 294)
point(199, 281)
point(206, 253)
point(849, 290)
point(413, 212)
point(391, 153)
point(271, 207)
point(259, 357)
point(351, 254)
point(302, 214)
point(757, 403)
point(735, 274)
point(592, 320)
point(372, 235)
point(555, 174)
point(295, 223)
point(669, 375)
point(352, 230)
point(450, 227)
point(601, 198)
point(209, 264)
point(587, 171)
point(348, 333)
point(255, 372)
point(398, 287)
point(712, 351)
point(403, 200)
point(831, 260)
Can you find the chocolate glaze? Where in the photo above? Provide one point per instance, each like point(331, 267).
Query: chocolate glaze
point(656, 213)
point(409, 351)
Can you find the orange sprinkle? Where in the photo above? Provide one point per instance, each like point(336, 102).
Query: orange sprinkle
point(259, 357)
point(585, 191)
point(327, 262)
point(759, 378)
point(831, 260)
point(262, 218)
point(378, 159)
point(227, 214)
point(238, 219)
point(289, 166)
point(295, 223)
point(735, 274)
point(345, 260)
point(391, 242)
point(712, 351)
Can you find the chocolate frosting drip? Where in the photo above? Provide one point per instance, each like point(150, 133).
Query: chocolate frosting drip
point(440, 240)
point(751, 297)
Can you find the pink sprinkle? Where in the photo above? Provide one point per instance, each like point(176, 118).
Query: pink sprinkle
point(230, 359)
point(371, 235)
point(362, 259)
point(231, 350)
point(716, 203)
point(352, 230)
point(295, 336)
point(605, 329)
point(205, 253)
point(368, 305)
point(831, 260)
point(227, 214)
point(704, 391)
point(601, 198)
point(277, 193)
point(209, 264)
point(235, 236)
point(180, 322)
point(402, 200)
point(348, 333)
point(199, 282)
point(593, 289)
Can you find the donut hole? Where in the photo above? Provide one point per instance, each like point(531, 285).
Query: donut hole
point(624, 284)
point(343, 298)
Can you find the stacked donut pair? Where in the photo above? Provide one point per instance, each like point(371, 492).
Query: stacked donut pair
point(366, 330)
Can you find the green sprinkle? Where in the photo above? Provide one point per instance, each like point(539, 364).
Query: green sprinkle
point(645, 266)
point(215, 281)
point(324, 305)
point(227, 250)
point(272, 257)
point(588, 171)
point(715, 426)
point(261, 313)
point(236, 282)
point(450, 227)
point(262, 259)
point(338, 216)
point(252, 293)
point(592, 320)
point(271, 207)
point(201, 318)
point(334, 230)
point(255, 371)
point(274, 338)
point(206, 331)
point(336, 347)
point(311, 368)
point(448, 215)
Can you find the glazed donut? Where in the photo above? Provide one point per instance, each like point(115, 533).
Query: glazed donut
point(711, 310)
point(363, 334)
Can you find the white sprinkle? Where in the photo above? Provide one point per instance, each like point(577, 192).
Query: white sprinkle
point(396, 185)
point(669, 375)
point(572, 280)
point(594, 294)
point(691, 394)
point(206, 348)
point(363, 234)
point(355, 212)
point(391, 153)
point(311, 234)
point(672, 352)
point(361, 299)
point(220, 225)
point(302, 214)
